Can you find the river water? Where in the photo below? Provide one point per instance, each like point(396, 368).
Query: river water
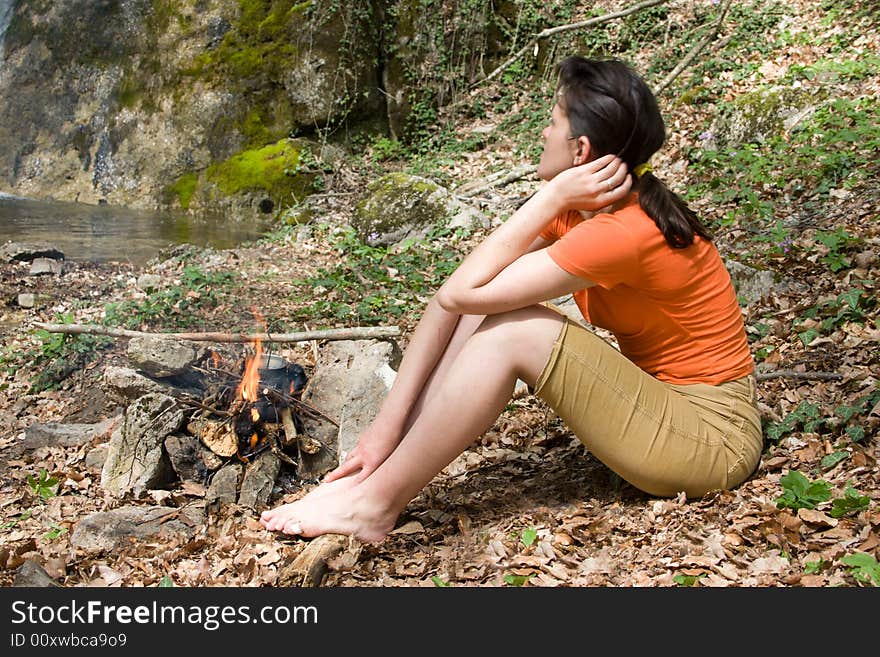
point(104, 233)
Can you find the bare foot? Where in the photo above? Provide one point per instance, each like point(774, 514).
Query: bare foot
point(274, 519)
point(341, 511)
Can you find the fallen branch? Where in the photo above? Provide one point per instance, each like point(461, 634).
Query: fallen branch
point(808, 376)
point(684, 63)
point(552, 31)
point(513, 176)
point(355, 333)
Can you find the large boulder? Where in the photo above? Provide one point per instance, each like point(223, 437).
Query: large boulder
point(350, 380)
point(759, 115)
point(133, 101)
point(400, 206)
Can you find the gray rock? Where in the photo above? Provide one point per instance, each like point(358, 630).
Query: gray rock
point(95, 458)
point(124, 384)
point(41, 266)
point(259, 479)
point(763, 113)
point(136, 458)
point(55, 434)
point(32, 574)
point(26, 252)
point(162, 358)
point(110, 530)
point(351, 379)
point(191, 460)
point(149, 282)
point(751, 284)
point(399, 206)
point(224, 484)
point(26, 300)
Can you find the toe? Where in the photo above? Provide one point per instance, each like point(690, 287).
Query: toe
point(292, 527)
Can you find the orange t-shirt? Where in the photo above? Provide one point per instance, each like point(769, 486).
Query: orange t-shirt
point(673, 311)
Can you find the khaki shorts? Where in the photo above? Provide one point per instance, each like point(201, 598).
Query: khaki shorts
point(660, 437)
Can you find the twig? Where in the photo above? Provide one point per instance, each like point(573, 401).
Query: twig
point(791, 374)
point(187, 399)
point(552, 31)
point(354, 333)
point(513, 176)
point(684, 63)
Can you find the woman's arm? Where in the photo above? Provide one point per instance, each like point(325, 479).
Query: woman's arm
point(479, 287)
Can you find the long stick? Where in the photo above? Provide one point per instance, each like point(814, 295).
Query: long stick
point(695, 51)
point(807, 376)
point(355, 333)
point(551, 31)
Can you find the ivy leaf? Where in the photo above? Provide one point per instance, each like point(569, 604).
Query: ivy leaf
point(517, 580)
point(851, 502)
point(864, 567)
point(528, 536)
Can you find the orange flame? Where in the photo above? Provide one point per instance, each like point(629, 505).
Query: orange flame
point(250, 382)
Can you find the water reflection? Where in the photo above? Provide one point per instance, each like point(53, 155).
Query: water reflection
point(101, 233)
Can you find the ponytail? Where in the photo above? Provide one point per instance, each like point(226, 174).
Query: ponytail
point(678, 223)
point(610, 104)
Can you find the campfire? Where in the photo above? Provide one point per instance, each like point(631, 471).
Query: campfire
point(260, 408)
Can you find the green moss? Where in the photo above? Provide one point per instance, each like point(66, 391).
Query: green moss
point(260, 43)
point(273, 169)
point(397, 200)
point(183, 189)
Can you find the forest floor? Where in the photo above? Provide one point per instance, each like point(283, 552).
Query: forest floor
point(526, 504)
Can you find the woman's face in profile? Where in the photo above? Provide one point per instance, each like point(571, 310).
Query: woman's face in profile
point(560, 147)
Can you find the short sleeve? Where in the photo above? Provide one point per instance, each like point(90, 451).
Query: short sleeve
point(558, 227)
point(602, 250)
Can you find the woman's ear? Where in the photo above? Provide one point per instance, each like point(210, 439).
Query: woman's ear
point(582, 154)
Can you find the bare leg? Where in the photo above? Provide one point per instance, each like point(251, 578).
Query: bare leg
point(462, 404)
point(465, 328)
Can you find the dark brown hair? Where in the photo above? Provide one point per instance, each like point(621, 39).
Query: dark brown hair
point(609, 103)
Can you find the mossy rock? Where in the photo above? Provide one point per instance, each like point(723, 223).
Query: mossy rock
point(398, 206)
point(764, 113)
point(271, 173)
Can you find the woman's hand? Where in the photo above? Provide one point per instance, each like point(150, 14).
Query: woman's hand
point(593, 185)
point(373, 447)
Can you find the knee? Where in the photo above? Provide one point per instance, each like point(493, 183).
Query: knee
point(502, 324)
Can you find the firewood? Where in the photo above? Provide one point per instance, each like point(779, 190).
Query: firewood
point(310, 566)
point(289, 427)
point(219, 437)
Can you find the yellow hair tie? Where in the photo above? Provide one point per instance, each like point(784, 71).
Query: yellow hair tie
point(642, 168)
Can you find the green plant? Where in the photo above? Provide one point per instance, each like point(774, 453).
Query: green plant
point(688, 580)
point(800, 493)
point(55, 531)
point(863, 567)
point(173, 306)
point(853, 305)
point(834, 458)
point(517, 580)
point(438, 581)
point(838, 242)
point(166, 582)
point(806, 416)
point(43, 485)
point(375, 284)
point(851, 502)
point(814, 567)
point(9, 524)
point(528, 536)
